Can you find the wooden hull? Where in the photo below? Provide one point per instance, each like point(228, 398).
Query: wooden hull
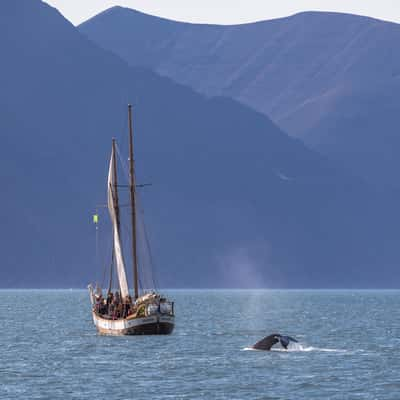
point(159, 324)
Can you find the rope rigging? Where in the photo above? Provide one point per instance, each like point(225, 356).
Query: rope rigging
point(146, 278)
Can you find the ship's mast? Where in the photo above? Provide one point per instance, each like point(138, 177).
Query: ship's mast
point(132, 187)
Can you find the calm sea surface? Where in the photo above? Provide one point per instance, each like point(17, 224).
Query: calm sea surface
point(349, 348)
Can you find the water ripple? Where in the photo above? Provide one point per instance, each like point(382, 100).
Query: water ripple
point(348, 348)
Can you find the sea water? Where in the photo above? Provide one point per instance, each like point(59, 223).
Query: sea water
point(348, 347)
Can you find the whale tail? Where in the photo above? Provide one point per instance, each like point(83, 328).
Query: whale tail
point(271, 340)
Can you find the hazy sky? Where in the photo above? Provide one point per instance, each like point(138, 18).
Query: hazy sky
point(228, 11)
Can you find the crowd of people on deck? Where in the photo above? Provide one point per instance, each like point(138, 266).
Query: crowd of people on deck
point(113, 306)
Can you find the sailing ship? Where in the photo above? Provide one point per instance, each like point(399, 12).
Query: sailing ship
point(119, 312)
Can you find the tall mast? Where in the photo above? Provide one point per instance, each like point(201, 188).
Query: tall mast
point(133, 203)
point(116, 199)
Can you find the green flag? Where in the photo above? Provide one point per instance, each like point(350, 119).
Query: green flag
point(95, 218)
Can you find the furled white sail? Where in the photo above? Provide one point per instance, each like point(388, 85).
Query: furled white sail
point(119, 258)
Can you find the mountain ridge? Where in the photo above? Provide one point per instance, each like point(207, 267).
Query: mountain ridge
point(118, 8)
point(297, 70)
point(234, 202)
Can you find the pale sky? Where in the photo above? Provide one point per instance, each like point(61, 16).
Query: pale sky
point(228, 11)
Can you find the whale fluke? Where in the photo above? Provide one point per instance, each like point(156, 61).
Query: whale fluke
point(271, 340)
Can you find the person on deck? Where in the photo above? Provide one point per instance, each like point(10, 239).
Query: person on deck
point(109, 300)
point(117, 297)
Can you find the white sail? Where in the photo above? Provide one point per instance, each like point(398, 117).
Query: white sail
point(119, 258)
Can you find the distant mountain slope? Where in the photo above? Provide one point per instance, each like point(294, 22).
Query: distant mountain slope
point(331, 79)
point(234, 201)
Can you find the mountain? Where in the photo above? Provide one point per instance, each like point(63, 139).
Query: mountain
point(234, 201)
point(330, 79)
